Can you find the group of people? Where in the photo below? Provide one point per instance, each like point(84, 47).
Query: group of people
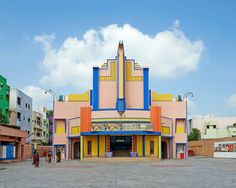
point(48, 157)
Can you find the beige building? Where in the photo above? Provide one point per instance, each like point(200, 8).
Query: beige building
point(37, 128)
point(214, 127)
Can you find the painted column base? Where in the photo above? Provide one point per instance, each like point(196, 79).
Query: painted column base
point(133, 154)
point(108, 154)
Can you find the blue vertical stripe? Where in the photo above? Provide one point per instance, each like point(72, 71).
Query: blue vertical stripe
point(95, 87)
point(146, 88)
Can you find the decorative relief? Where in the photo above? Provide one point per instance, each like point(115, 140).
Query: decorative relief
point(129, 77)
point(112, 76)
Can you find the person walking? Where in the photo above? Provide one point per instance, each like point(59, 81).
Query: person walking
point(58, 156)
point(49, 156)
point(36, 159)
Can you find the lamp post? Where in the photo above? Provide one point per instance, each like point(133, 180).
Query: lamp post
point(186, 95)
point(54, 95)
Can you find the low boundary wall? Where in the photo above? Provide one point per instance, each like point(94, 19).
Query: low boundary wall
point(41, 149)
point(206, 147)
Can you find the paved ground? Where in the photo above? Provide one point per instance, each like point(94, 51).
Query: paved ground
point(193, 172)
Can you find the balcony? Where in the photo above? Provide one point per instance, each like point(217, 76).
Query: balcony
point(37, 126)
point(34, 137)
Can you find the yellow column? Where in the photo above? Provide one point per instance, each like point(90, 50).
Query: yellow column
point(159, 147)
point(81, 148)
point(121, 76)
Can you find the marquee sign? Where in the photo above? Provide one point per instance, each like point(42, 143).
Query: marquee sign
point(121, 126)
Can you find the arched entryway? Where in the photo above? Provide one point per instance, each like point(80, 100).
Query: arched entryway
point(164, 147)
point(77, 150)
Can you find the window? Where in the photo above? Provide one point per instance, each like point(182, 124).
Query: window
point(8, 97)
point(25, 105)
point(28, 120)
point(207, 126)
point(28, 106)
point(18, 116)
point(214, 126)
point(18, 100)
point(44, 133)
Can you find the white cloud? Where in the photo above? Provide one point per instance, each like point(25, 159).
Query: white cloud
point(232, 101)
point(40, 99)
point(168, 53)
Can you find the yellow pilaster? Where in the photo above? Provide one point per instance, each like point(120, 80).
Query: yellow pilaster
point(81, 148)
point(159, 147)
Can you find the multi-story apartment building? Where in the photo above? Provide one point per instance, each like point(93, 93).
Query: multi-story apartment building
point(37, 128)
point(4, 99)
point(46, 128)
point(214, 127)
point(21, 111)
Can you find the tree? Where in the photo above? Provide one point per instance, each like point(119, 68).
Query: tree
point(3, 118)
point(195, 134)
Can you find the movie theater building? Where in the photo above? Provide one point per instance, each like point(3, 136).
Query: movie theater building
point(120, 116)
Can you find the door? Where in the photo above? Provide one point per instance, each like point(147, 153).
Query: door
point(77, 150)
point(164, 150)
point(151, 147)
point(89, 148)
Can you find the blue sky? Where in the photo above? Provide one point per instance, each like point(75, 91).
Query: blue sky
point(212, 22)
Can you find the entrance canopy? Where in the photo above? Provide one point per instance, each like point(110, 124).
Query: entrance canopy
point(120, 133)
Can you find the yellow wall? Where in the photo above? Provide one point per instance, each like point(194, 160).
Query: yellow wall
point(102, 146)
point(75, 130)
point(180, 126)
point(147, 145)
point(161, 97)
point(60, 126)
point(94, 142)
point(140, 146)
point(79, 97)
point(165, 130)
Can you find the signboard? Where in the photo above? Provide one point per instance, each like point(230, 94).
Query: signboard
point(225, 149)
point(121, 126)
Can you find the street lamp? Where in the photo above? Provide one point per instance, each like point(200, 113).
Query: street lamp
point(54, 95)
point(186, 95)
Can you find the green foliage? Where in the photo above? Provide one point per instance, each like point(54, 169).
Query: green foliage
point(195, 134)
point(3, 118)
